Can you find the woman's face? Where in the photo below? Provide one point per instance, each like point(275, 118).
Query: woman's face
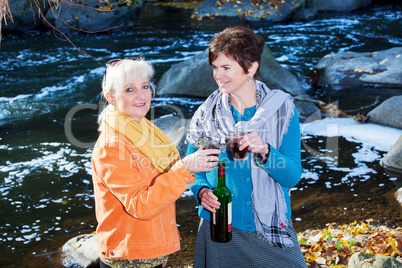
point(229, 75)
point(134, 99)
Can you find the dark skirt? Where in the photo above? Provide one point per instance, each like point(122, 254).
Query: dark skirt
point(245, 250)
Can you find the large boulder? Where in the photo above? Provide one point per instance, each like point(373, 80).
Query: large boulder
point(266, 11)
point(351, 69)
point(81, 251)
point(94, 15)
point(388, 113)
point(340, 5)
point(393, 159)
point(193, 77)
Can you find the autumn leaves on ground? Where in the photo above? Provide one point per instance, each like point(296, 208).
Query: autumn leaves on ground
point(334, 245)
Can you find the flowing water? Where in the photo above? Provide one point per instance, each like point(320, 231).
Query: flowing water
point(48, 97)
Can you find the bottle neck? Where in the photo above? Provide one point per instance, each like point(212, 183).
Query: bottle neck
point(221, 177)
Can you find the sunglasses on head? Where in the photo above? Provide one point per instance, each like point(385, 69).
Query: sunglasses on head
point(113, 62)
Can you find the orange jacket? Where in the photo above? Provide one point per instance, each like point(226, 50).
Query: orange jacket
point(134, 203)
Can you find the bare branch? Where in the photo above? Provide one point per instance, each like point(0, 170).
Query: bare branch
point(55, 30)
point(333, 110)
point(4, 13)
point(377, 100)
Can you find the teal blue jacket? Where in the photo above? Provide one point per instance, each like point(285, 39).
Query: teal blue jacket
point(284, 165)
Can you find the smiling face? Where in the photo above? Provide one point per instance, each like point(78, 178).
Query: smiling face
point(229, 75)
point(133, 99)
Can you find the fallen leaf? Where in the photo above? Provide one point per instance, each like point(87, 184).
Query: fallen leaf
point(383, 61)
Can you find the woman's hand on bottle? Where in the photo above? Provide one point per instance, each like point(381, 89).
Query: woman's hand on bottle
point(202, 160)
point(255, 144)
point(208, 200)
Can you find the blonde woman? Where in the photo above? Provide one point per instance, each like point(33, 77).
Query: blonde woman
point(137, 173)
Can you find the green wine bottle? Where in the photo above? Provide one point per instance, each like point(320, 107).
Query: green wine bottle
point(221, 219)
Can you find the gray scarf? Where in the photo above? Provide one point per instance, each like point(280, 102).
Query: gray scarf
point(271, 120)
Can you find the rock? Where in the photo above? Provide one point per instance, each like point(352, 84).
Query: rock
point(277, 77)
point(351, 69)
point(89, 18)
point(388, 113)
point(81, 251)
point(393, 159)
point(78, 15)
point(264, 11)
point(308, 11)
point(175, 128)
point(340, 5)
point(398, 196)
point(366, 260)
point(193, 77)
point(25, 16)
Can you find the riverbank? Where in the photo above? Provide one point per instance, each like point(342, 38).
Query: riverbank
point(334, 245)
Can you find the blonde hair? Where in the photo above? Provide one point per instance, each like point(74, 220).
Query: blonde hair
point(117, 73)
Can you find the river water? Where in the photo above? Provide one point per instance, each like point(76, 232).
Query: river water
point(48, 124)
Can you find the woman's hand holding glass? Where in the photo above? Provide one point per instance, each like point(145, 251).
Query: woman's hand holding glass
point(255, 144)
point(202, 160)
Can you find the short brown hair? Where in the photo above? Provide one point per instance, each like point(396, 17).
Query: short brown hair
point(240, 44)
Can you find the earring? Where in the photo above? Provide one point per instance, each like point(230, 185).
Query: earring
point(249, 78)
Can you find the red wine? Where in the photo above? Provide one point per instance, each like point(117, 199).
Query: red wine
point(221, 219)
point(210, 146)
point(235, 145)
point(210, 143)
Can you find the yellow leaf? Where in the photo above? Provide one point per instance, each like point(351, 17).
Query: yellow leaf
point(383, 61)
point(394, 244)
point(75, 17)
point(359, 70)
point(311, 257)
point(64, 202)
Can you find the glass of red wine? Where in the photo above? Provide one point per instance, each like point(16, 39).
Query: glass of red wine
point(211, 143)
point(233, 146)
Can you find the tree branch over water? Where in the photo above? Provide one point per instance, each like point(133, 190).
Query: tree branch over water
point(332, 110)
point(54, 7)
